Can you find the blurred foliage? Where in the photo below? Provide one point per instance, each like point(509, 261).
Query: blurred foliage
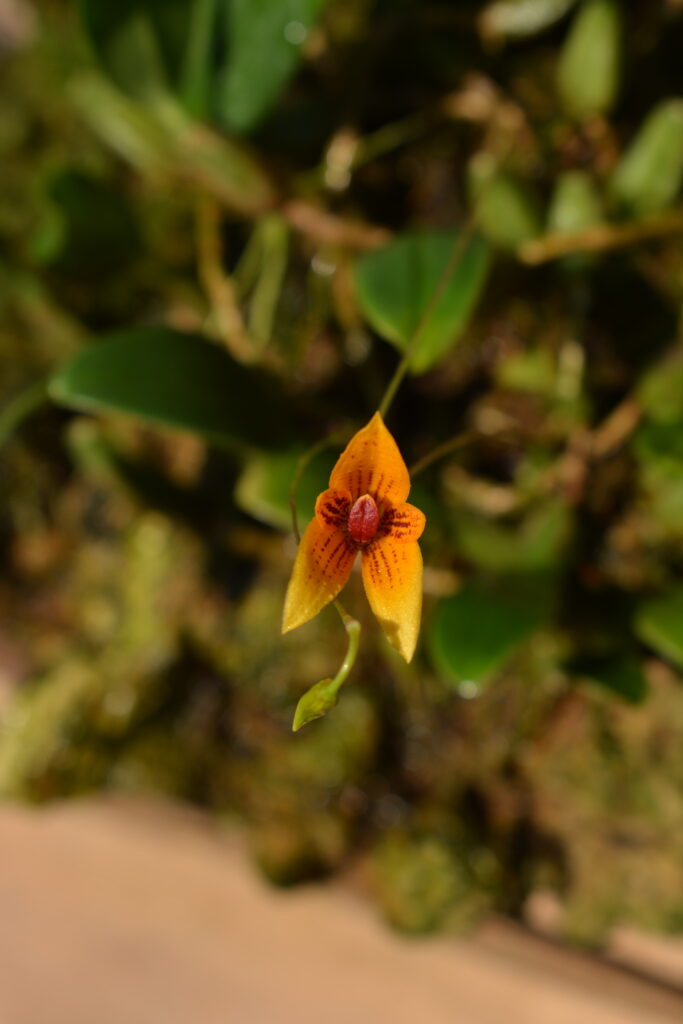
point(219, 221)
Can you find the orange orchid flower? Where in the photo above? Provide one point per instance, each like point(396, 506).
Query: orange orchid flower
point(364, 510)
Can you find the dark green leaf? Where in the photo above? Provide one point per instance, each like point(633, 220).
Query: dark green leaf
point(475, 631)
point(620, 674)
point(264, 487)
point(396, 285)
point(659, 624)
point(102, 461)
point(534, 546)
point(140, 43)
point(89, 231)
point(176, 380)
point(195, 84)
point(163, 141)
point(264, 43)
point(661, 440)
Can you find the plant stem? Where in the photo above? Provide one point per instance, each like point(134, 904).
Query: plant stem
point(323, 696)
point(352, 627)
point(327, 228)
point(452, 445)
point(219, 286)
point(266, 294)
point(301, 467)
point(601, 237)
point(461, 242)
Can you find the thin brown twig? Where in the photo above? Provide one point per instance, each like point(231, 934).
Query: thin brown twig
point(616, 428)
point(219, 286)
point(327, 228)
point(601, 237)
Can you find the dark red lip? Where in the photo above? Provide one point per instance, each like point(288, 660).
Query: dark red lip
point(363, 520)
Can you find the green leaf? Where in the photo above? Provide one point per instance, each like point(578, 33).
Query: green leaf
point(176, 380)
point(139, 43)
point(535, 545)
point(89, 231)
point(520, 19)
point(659, 624)
point(396, 284)
point(474, 632)
point(660, 390)
point(661, 440)
point(315, 703)
point(658, 447)
point(575, 203)
point(101, 460)
point(588, 71)
point(506, 209)
point(195, 82)
point(264, 43)
point(649, 175)
point(620, 674)
point(163, 141)
point(264, 487)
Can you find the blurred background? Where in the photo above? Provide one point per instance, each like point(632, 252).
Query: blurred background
point(222, 225)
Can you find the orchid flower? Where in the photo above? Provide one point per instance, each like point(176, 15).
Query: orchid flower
point(364, 510)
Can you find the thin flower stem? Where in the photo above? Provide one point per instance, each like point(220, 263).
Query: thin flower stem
point(393, 135)
point(320, 698)
point(452, 445)
point(323, 696)
point(352, 627)
point(302, 465)
point(461, 242)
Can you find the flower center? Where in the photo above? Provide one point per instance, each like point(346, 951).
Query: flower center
point(363, 519)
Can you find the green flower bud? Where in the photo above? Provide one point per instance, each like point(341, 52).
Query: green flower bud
point(650, 173)
point(588, 71)
point(575, 203)
point(505, 209)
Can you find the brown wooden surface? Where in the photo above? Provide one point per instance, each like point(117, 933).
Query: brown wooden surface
point(133, 912)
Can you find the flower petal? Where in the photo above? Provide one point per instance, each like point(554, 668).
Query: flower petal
point(372, 464)
point(392, 575)
point(332, 507)
point(404, 522)
point(322, 567)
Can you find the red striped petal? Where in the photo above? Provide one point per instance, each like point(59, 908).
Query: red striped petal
point(403, 522)
point(332, 507)
point(392, 575)
point(322, 567)
point(372, 464)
